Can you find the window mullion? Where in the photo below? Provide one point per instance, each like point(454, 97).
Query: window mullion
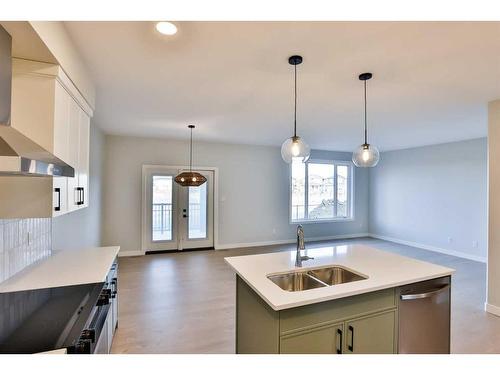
point(335, 186)
point(306, 192)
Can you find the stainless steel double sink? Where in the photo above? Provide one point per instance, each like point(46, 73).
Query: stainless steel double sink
point(314, 278)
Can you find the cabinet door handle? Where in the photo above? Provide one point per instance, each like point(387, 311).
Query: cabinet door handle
point(114, 284)
point(83, 195)
point(428, 294)
point(351, 346)
point(80, 196)
point(339, 349)
point(77, 201)
point(58, 192)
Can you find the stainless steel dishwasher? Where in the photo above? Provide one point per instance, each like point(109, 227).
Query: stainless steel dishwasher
point(424, 317)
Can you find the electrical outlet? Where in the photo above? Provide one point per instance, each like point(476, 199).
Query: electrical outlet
point(274, 230)
point(474, 244)
point(450, 239)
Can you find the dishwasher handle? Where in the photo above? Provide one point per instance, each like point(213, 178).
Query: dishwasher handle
point(430, 293)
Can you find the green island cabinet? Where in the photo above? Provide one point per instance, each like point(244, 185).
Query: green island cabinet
point(363, 324)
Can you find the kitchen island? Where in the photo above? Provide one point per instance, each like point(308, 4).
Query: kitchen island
point(348, 299)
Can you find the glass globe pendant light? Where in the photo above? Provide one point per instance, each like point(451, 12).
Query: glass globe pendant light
point(365, 155)
point(295, 147)
point(190, 178)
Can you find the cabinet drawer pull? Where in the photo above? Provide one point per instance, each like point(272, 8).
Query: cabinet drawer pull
point(339, 349)
point(58, 192)
point(351, 345)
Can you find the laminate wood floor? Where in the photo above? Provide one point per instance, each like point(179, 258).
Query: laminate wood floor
point(185, 302)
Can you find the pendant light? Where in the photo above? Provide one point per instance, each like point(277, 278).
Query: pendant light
point(190, 178)
point(365, 155)
point(294, 147)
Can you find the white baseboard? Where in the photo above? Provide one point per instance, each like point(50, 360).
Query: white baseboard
point(130, 253)
point(492, 309)
point(282, 242)
point(455, 253)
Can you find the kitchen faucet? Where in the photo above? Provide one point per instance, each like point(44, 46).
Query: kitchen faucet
point(300, 246)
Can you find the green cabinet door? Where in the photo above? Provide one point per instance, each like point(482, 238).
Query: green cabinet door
point(373, 334)
point(323, 340)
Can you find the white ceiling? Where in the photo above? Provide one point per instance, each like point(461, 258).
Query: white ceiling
point(431, 83)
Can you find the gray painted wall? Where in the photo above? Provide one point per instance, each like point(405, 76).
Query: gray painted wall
point(82, 228)
point(429, 194)
point(253, 190)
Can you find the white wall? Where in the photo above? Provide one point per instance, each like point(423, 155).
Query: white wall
point(253, 190)
point(493, 298)
point(83, 228)
point(427, 195)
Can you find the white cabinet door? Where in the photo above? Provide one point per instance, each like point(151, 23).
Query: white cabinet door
point(60, 196)
point(74, 145)
point(83, 158)
point(110, 330)
point(102, 344)
point(62, 102)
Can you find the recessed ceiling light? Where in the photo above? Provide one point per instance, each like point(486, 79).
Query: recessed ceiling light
point(166, 28)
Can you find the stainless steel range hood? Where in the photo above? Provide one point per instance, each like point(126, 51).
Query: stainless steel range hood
point(19, 155)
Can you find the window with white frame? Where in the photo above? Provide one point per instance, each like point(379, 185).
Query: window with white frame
point(321, 190)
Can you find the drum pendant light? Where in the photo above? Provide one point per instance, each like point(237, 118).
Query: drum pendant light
point(295, 147)
point(190, 178)
point(365, 155)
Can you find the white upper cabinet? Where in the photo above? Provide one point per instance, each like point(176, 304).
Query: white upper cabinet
point(78, 187)
point(83, 158)
point(48, 109)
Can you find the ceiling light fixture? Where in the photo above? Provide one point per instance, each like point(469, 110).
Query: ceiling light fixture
point(166, 28)
point(365, 155)
point(294, 147)
point(190, 178)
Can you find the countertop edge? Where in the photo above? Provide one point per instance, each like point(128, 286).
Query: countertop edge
point(340, 295)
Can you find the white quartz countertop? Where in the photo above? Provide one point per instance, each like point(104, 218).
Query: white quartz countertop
point(62, 268)
point(383, 269)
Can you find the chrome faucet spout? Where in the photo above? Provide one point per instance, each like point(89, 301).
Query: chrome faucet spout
point(300, 238)
point(300, 246)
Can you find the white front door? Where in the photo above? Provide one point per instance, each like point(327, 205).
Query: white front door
point(176, 217)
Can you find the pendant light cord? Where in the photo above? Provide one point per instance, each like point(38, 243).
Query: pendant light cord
point(191, 152)
point(295, 107)
point(365, 115)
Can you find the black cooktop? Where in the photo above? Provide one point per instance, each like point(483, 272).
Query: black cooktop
point(40, 320)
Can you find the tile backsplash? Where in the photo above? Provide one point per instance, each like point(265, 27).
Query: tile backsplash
point(23, 242)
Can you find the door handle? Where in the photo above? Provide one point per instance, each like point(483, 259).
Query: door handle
point(58, 207)
point(339, 349)
point(430, 293)
point(351, 346)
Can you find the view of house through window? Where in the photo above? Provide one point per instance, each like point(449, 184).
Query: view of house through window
point(320, 190)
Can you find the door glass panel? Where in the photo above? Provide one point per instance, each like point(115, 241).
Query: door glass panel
point(342, 191)
point(197, 223)
point(320, 191)
point(162, 208)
